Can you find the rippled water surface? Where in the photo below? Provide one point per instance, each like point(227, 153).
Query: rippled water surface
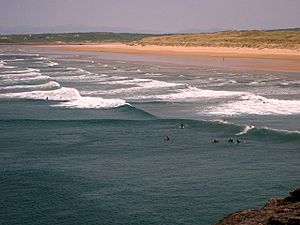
point(91, 139)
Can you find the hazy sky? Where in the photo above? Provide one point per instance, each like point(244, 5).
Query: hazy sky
point(152, 15)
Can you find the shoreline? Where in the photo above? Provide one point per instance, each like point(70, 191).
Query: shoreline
point(250, 58)
point(179, 50)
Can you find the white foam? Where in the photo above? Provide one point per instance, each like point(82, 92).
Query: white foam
point(28, 70)
point(20, 54)
point(61, 94)
point(71, 96)
point(41, 58)
point(8, 67)
point(83, 71)
point(254, 83)
point(9, 80)
point(48, 64)
point(13, 60)
point(226, 83)
point(282, 130)
point(92, 103)
point(84, 78)
point(153, 74)
point(193, 93)
point(222, 121)
point(72, 73)
point(19, 75)
point(113, 79)
point(246, 130)
point(71, 68)
point(3, 64)
point(139, 85)
point(290, 83)
point(253, 104)
point(48, 85)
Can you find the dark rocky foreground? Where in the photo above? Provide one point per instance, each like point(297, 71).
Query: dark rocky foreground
point(277, 211)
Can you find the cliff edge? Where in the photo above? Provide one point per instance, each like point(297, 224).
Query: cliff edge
point(277, 211)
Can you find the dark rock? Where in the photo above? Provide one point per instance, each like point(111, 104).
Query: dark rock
point(275, 221)
point(296, 194)
point(277, 211)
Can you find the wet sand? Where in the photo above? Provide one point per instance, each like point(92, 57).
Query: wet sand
point(248, 58)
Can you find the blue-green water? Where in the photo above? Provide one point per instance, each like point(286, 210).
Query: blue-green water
point(84, 139)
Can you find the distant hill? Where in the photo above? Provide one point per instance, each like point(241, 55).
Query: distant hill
point(71, 28)
point(91, 37)
point(281, 38)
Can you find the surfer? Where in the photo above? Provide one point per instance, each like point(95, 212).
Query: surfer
point(181, 126)
point(167, 139)
point(238, 141)
point(215, 141)
point(230, 140)
point(47, 98)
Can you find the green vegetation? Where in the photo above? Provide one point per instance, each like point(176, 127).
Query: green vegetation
point(95, 37)
point(251, 39)
point(289, 38)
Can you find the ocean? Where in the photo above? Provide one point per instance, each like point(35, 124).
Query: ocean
point(103, 138)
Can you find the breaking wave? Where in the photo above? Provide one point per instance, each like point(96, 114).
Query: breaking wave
point(254, 104)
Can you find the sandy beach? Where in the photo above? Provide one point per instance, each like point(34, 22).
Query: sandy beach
point(265, 59)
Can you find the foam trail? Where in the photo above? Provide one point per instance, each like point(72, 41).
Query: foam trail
point(48, 64)
point(28, 70)
point(253, 104)
point(196, 93)
point(92, 103)
point(51, 64)
point(48, 85)
point(226, 83)
point(19, 75)
point(295, 83)
point(140, 85)
point(222, 121)
point(13, 60)
point(4, 65)
point(16, 80)
point(71, 97)
point(61, 94)
point(19, 54)
point(282, 130)
point(153, 74)
point(246, 130)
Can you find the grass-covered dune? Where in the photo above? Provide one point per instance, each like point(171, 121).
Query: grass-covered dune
point(289, 39)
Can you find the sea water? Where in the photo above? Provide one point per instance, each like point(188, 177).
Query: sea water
point(97, 139)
